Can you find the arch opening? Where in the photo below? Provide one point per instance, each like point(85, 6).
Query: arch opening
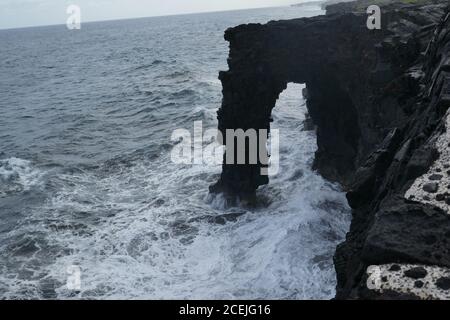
point(327, 108)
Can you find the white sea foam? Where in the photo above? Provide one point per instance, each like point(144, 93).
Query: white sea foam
point(18, 175)
point(147, 231)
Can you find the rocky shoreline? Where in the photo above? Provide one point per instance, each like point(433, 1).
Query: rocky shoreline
point(379, 100)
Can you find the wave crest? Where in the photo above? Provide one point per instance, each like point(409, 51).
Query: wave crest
point(17, 175)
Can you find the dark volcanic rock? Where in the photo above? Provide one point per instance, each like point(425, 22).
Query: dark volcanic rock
point(409, 232)
point(443, 283)
point(377, 98)
point(435, 177)
point(416, 273)
point(395, 267)
point(431, 187)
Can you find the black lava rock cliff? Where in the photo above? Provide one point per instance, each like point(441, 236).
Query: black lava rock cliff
point(379, 99)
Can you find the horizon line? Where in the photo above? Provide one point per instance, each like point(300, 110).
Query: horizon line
point(155, 16)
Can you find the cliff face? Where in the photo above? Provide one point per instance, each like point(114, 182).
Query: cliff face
point(379, 99)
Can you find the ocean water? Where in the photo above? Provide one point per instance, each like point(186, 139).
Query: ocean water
point(86, 178)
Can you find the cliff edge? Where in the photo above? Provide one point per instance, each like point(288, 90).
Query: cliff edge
point(380, 101)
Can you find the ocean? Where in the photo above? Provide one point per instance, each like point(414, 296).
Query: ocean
point(87, 182)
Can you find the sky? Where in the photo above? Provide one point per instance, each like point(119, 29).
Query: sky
point(25, 13)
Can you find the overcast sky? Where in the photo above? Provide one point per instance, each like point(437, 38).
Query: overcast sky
point(22, 13)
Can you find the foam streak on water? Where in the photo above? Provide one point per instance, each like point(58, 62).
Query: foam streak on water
point(86, 177)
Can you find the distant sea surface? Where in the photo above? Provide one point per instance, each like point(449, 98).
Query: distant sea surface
point(86, 180)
